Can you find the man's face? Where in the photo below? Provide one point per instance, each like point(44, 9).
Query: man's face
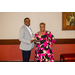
point(27, 22)
point(42, 28)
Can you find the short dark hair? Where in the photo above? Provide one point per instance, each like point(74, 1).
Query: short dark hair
point(26, 18)
point(42, 23)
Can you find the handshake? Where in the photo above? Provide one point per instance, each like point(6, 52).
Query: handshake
point(33, 40)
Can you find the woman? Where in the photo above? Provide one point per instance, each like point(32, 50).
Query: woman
point(44, 43)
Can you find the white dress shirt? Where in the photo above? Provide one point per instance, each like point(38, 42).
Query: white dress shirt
point(29, 30)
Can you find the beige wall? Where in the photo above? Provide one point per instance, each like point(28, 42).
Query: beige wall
point(10, 23)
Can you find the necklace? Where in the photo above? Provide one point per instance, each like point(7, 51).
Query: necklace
point(42, 32)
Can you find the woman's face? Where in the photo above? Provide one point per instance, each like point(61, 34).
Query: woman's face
point(42, 28)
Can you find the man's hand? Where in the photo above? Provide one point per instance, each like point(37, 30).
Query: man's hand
point(31, 41)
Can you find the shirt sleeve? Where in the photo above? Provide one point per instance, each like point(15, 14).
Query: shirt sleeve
point(21, 36)
point(52, 38)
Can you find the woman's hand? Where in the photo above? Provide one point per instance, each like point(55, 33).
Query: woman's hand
point(33, 40)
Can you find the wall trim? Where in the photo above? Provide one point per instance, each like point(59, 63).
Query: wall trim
point(17, 42)
point(65, 41)
point(9, 42)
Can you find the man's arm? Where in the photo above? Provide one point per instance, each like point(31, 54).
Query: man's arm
point(21, 35)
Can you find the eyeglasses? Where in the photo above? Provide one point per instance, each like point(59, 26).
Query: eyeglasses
point(27, 21)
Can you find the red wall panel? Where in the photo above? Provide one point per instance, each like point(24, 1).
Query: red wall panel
point(13, 53)
point(10, 53)
point(4, 53)
point(63, 49)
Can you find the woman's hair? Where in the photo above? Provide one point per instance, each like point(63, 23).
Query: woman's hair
point(42, 23)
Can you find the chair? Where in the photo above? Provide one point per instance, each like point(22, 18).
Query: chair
point(67, 57)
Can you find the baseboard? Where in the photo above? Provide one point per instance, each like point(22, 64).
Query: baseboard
point(54, 61)
point(29, 61)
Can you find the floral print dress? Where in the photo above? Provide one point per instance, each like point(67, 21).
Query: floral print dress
point(44, 50)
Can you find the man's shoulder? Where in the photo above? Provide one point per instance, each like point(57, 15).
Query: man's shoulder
point(23, 27)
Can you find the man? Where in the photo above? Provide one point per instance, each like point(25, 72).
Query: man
point(25, 35)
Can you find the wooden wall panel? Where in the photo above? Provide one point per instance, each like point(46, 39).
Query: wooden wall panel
point(17, 42)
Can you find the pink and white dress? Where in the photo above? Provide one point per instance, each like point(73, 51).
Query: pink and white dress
point(44, 50)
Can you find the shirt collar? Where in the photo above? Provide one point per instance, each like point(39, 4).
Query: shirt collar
point(26, 26)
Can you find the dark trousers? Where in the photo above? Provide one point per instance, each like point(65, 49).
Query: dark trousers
point(26, 55)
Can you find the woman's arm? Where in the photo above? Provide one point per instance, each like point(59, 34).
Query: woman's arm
point(53, 44)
